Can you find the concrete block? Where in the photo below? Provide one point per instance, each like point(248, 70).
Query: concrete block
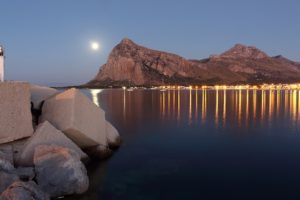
point(77, 116)
point(40, 94)
point(15, 116)
point(46, 134)
point(112, 136)
point(98, 152)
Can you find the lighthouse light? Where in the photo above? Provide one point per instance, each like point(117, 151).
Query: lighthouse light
point(1, 64)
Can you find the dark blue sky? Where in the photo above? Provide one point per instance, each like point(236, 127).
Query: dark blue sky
point(47, 42)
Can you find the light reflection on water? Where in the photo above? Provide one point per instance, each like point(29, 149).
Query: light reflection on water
point(240, 106)
point(94, 94)
point(200, 144)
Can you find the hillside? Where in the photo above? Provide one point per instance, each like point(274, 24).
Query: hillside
point(130, 64)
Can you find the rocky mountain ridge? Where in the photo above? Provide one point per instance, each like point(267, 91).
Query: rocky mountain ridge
point(130, 64)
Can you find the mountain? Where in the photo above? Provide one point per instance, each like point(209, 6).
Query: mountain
point(241, 51)
point(130, 64)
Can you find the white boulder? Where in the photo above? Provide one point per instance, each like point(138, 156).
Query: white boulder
point(98, 152)
point(112, 136)
point(77, 116)
point(45, 134)
point(59, 171)
point(15, 117)
point(40, 94)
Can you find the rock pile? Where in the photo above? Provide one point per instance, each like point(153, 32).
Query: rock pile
point(45, 136)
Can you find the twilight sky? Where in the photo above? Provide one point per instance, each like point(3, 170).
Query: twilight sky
point(48, 42)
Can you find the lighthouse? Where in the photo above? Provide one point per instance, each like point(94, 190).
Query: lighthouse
point(1, 64)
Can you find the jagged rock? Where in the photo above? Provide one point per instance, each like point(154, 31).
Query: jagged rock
point(6, 158)
point(6, 152)
point(6, 179)
point(77, 116)
point(13, 151)
point(40, 94)
point(25, 173)
point(59, 171)
point(15, 118)
point(5, 165)
point(46, 134)
point(130, 64)
point(9, 173)
point(98, 152)
point(17, 147)
point(24, 191)
point(113, 137)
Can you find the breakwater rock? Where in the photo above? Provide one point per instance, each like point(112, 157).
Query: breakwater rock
point(46, 136)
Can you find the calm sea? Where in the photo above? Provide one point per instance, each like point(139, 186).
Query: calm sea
point(200, 144)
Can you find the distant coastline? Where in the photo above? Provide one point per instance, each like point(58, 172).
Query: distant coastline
point(215, 87)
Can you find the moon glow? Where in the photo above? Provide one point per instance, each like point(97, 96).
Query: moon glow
point(95, 46)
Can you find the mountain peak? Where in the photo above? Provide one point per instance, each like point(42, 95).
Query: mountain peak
point(243, 51)
point(239, 46)
point(127, 41)
point(280, 57)
point(130, 64)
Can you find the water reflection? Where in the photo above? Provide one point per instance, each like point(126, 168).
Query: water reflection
point(263, 104)
point(95, 94)
point(222, 106)
point(124, 103)
point(254, 104)
point(247, 107)
point(237, 138)
point(178, 105)
point(190, 106)
point(204, 105)
point(240, 107)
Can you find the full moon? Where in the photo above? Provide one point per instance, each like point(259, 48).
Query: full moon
point(95, 46)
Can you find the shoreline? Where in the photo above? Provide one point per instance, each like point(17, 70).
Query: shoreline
point(279, 86)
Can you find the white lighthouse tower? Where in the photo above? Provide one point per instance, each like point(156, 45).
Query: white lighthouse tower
point(1, 64)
